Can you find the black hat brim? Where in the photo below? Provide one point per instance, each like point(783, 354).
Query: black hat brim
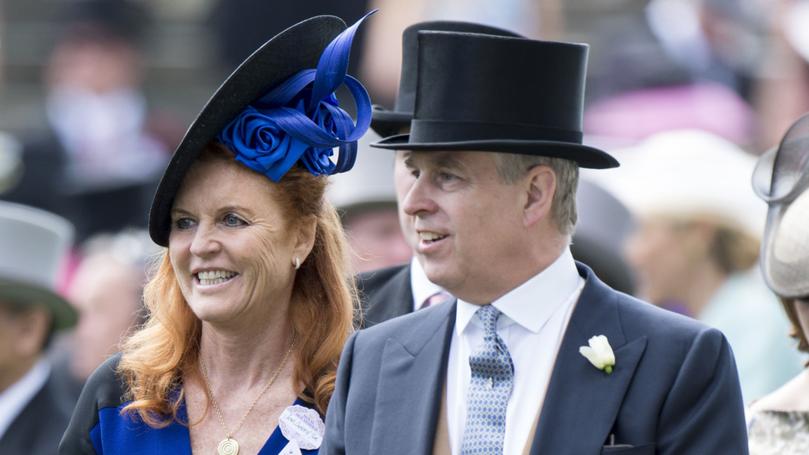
point(297, 48)
point(585, 156)
point(389, 123)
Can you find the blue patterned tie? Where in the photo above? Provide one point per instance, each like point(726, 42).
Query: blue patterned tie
point(489, 390)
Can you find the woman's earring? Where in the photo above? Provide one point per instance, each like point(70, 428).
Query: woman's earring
point(297, 263)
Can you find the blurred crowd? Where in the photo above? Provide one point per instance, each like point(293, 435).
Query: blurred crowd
point(687, 94)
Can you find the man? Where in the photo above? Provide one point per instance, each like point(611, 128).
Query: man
point(494, 151)
point(398, 290)
point(394, 291)
point(34, 243)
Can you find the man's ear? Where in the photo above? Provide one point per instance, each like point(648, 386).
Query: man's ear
point(540, 186)
point(305, 239)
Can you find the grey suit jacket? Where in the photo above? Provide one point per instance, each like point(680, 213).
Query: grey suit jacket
point(674, 389)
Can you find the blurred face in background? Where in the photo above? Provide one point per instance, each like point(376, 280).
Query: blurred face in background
point(376, 239)
point(107, 295)
point(664, 254)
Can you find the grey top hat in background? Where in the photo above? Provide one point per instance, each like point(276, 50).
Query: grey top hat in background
point(389, 122)
point(781, 178)
point(34, 245)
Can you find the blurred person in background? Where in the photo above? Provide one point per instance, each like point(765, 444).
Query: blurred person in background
point(107, 291)
point(782, 87)
point(34, 244)
point(98, 158)
point(366, 201)
point(681, 77)
point(779, 422)
point(696, 246)
point(252, 299)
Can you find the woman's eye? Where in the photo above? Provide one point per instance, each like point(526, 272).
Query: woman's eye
point(183, 223)
point(232, 220)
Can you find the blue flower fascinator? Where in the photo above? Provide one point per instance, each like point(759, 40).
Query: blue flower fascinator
point(301, 119)
point(275, 110)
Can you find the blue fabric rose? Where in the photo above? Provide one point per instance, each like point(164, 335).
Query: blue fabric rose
point(301, 119)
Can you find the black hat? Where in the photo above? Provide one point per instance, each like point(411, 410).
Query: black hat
point(499, 94)
point(387, 123)
point(296, 48)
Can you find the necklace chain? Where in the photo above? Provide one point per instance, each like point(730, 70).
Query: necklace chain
point(216, 407)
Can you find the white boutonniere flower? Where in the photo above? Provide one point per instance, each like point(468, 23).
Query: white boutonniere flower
point(599, 353)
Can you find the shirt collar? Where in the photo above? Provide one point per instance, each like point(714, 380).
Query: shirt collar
point(421, 285)
point(532, 303)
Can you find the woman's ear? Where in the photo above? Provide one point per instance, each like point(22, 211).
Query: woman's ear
point(305, 238)
point(540, 186)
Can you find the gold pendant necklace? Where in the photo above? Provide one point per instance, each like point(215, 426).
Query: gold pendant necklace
point(229, 446)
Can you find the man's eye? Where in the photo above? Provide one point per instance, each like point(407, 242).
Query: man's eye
point(232, 220)
point(446, 177)
point(415, 173)
point(184, 223)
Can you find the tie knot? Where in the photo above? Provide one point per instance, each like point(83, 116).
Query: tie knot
point(488, 315)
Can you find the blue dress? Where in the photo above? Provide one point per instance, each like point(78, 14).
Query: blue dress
point(97, 426)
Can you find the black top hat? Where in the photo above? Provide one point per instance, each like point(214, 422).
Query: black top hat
point(499, 94)
point(387, 123)
point(296, 48)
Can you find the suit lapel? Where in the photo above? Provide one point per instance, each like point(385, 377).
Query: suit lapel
point(394, 298)
point(582, 402)
point(411, 377)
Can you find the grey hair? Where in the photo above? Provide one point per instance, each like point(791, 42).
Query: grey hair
point(511, 167)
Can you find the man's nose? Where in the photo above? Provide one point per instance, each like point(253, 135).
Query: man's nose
point(418, 200)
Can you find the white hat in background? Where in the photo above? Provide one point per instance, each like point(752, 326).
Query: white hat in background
point(369, 184)
point(687, 174)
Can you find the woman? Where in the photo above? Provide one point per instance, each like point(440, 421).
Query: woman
point(697, 245)
point(779, 422)
point(251, 303)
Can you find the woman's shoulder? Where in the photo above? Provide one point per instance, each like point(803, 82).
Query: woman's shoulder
point(103, 389)
point(790, 397)
point(105, 386)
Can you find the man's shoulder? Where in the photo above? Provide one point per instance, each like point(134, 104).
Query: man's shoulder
point(404, 328)
point(663, 329)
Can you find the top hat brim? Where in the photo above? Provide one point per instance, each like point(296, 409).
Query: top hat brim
point(389, 123)
point(63, 313)
point(585, 156)
point(296, 48)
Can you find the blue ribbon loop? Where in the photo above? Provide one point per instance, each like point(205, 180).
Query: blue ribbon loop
point(301, 119)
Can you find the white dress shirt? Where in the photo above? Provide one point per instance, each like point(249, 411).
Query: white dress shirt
point(533, 321)
point(14, 399)
point(421, 286)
